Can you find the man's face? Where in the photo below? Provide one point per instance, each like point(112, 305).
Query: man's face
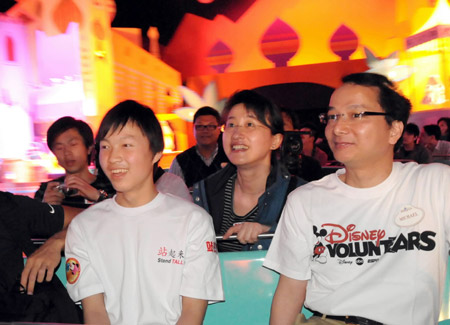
point(360, 142)
point(127, 161)
point(71, 152)
point(409, 138)
point(426, 139)
point(203, 134)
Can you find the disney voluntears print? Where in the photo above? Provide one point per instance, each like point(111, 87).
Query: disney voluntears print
point(348, 242)
point(384, 243)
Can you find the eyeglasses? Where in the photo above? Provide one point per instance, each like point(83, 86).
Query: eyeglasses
point(211, 127)
point(247, 127)
point(353, 117)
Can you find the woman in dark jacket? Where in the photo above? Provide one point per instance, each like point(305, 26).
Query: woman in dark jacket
point(247, 196)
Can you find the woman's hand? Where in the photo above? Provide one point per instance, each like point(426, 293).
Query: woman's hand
point(247, 232)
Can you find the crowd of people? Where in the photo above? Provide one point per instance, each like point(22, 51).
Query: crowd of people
point(365, 245)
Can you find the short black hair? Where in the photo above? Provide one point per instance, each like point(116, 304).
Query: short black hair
point(207, 110)
point(132, 111)
point(66, 123)
point(433, 129)
point(413, 129)
point(266, 112)
point(396, 105)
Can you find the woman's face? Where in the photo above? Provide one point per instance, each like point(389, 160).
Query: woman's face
point(248, 142)
point(444, 127)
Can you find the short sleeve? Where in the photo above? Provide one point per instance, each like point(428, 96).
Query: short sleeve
point(289, 252)
point(82, 280)
point(201, 274)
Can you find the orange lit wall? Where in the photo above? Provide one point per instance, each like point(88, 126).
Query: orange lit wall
point(317, 32)
point(381, 25)
point(328, 74)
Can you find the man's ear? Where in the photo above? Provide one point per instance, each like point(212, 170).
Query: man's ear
point(157, 157)
point(91, 147)
point(277, 139)
point(396, 132)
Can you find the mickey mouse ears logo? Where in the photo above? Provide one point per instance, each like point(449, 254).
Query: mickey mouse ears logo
point(72, 270)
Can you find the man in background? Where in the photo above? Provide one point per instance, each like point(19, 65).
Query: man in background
point(410, 149)
point(72, 142)
point(205, 158)
point(308, 133)
point(431, 139)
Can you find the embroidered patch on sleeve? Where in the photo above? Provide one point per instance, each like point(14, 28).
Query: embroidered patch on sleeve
point(72, 270)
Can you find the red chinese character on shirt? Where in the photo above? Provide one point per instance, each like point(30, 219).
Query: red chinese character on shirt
point(162, 251)
point(211, 246)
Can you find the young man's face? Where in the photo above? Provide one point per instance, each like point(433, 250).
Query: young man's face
point(360, 142)
point(426, 139)
point(127, 160)
point(205, 136)
point(409, 138)
point(71, 152)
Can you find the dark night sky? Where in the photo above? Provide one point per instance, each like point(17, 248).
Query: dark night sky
point(165, 14)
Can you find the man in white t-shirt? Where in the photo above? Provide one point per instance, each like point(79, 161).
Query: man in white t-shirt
point(368, 244)
point(142, 257)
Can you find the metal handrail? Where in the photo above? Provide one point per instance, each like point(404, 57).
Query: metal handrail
point(234, 237)
point(39, 241)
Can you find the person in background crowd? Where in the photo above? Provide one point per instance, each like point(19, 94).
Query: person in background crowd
point(444, 124)
point(289, 120)
point(246, 197)
point(303, 166)
point(72, 142)
point(368, 244)
point(142, 257)
point(430, 138)
point(410, 149)
point(206, 157)
point(309, 136)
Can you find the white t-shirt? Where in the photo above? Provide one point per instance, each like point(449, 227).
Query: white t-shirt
point(143, 259)
point(379, 253)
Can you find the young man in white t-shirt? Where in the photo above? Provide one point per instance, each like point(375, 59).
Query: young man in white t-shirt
point(142, 257)
point(368, 244)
